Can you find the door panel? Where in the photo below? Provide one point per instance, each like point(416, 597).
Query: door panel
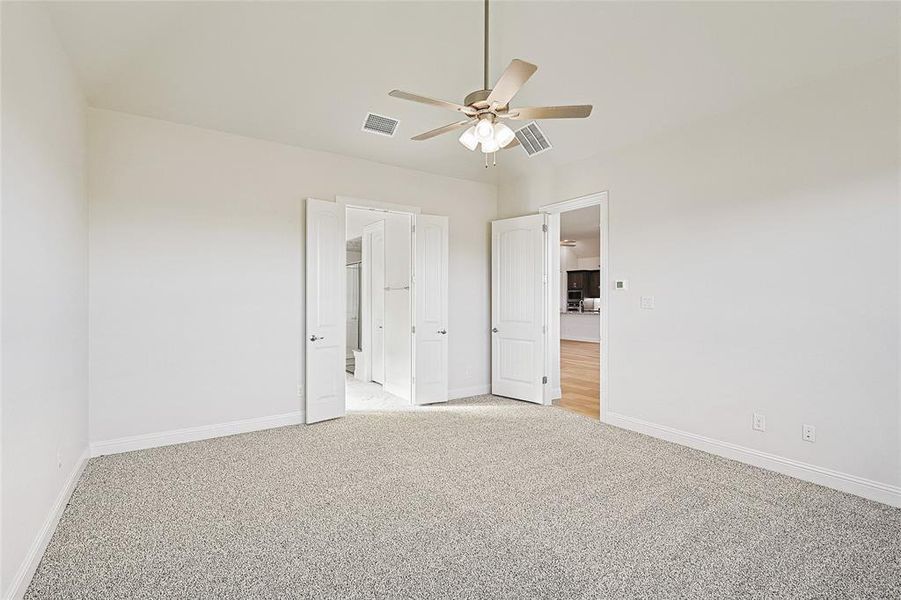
point(325, 313)
point(431, 309)
point(399, 305)
point(517, 307)
point(374, 263)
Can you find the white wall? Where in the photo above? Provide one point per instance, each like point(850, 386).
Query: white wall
point(769, 238)
point(44, 287)
point(197, 277)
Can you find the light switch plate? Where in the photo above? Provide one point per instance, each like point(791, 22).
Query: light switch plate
point(621, 284)
point(647, 302)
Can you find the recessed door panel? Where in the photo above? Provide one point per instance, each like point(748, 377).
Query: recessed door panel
point(517, 312)
point(325, 316)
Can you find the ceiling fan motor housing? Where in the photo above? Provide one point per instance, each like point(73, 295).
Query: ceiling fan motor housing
point(477, 99)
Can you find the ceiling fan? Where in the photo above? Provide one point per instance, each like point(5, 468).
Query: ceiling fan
point(485, 108)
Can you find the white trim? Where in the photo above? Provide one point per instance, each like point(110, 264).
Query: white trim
point(193, 434)
point(859, 486)
point(349, 202)
point(602, 200)
point(26, 570)
point(574, 203)
point(467, 392)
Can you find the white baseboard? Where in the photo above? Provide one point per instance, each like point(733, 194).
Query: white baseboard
point(26, 570)
point(866, 488)
point(581, 339)
point(474, 390)
point(193, 434)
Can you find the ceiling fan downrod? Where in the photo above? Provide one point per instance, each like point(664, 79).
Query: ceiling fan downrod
point(485, 79)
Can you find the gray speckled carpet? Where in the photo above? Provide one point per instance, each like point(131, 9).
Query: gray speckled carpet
point(482, 498)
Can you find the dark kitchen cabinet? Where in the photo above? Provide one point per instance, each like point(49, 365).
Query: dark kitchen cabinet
point(588, 282)
point(594, 284)
point(576, 280)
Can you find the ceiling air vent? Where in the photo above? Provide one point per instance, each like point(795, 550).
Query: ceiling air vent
point(533, 139)
point(380, 124)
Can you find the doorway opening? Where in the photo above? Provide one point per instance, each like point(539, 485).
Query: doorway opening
point(379, 338)
point(579, 285)
point(531, 306)
point(376, 325)
point(577, 349)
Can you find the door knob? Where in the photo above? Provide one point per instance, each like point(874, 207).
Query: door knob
point(313, 338)
point(442, 331)
point(494, 330)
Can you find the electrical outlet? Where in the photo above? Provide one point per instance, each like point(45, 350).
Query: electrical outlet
point(759, 422)
point(300, 390)
point(59, 460)
point(647, 302)
point(809, 433)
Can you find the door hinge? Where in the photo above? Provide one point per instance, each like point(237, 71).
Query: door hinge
point(544, 227)
point(544, 379)
point(414, 329)
point(544, 329)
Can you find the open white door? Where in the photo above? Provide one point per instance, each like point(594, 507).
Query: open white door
point(325, 311)
point(374, 301)
point(430, 375)
point(517, 307)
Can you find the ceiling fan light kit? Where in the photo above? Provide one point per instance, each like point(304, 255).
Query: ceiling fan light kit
point(485, 108)
point(491, 137)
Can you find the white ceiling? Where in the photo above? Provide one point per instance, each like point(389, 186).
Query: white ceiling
point(306, 73)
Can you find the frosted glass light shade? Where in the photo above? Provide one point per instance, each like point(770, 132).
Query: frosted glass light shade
point(468, 138)
point(490, 145)
point(484, 130)
point(503, 135)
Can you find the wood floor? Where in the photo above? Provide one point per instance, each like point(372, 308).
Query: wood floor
point(580, 376)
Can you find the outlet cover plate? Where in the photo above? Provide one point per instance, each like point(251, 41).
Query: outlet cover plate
point(758, 423)
point(809, 433)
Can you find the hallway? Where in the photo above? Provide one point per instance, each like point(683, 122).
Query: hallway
point(580, 375)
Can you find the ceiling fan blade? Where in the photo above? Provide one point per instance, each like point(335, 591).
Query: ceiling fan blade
point(512, 144)
point(431, 101)
point(447, 128)
point(579, 111)
point(513, 78)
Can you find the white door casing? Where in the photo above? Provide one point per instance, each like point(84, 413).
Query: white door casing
point(430, 284)
point(553, 211)
point(374, 301)
point(518, 281)
point(325, 316)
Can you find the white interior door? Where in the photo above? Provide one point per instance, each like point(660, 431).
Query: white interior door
point(374, 264)
point(517, 307)
point(325, 319)
point(398, 305)
point(430, 375)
